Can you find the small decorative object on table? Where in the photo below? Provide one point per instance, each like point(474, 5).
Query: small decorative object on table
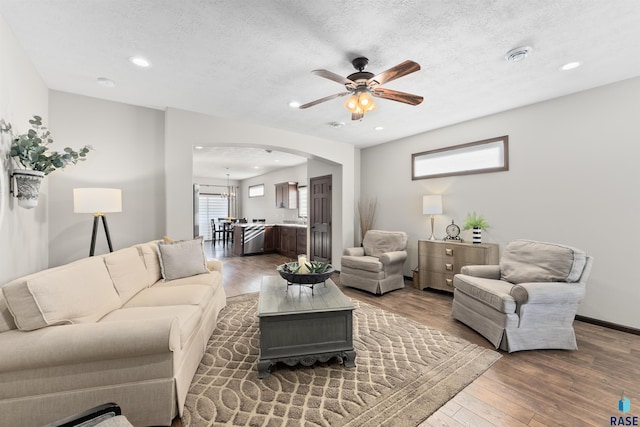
point(305, 273)
point(477, 223)
point(453, 232)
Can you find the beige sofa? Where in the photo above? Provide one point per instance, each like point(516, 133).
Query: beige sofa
point(106, 329)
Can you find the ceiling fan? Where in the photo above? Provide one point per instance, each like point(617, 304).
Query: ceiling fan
point(361, 85)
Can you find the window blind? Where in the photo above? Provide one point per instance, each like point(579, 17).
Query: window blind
point(211, 206)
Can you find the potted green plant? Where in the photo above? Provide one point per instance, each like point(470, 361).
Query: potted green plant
point(477, 223)
point(30, 152)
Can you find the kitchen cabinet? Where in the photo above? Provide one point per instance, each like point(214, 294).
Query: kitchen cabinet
point(287, 195)
point(288, 242)
point(270, 233)
point(301, 240)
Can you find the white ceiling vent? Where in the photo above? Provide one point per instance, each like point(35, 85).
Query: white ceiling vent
point(518, 54)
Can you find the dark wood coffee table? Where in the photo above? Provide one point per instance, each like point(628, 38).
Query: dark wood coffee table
point(298, 327)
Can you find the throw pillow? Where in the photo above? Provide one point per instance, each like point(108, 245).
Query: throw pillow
point(526, 261)
point(183, 258)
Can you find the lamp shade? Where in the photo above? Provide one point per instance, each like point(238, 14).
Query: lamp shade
point(432, 205)
point(97, 200)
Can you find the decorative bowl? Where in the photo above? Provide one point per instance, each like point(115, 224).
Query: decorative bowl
point(305, 278)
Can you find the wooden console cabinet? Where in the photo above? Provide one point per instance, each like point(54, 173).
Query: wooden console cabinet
point(439, 261)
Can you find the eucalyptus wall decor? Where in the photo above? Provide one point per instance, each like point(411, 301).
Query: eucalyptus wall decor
point(33, 159)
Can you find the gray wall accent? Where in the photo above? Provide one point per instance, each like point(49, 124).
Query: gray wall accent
point(265, 207)
point(184, 128)
point(128, 154)
point(573, 180)
point(23, 232)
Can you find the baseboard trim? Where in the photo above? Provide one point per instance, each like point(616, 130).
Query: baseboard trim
point(609, 325)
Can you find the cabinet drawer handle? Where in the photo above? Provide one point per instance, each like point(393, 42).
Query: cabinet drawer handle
point(449, 282)
point(448, 251)
point(448, 267)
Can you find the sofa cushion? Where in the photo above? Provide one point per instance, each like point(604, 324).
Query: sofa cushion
point(494, 293)
point(149, 253)
point(366, 263)
point(530, 261)
point(127, 271)
point(213, 278)
point(81, 291)
point(182, 259)
point(377, 242)
point(199, 295)
point(6, 320)
point(188, 317)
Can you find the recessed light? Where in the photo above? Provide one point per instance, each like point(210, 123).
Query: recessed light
point(378, 128)
point(198, 147)
point(140, 61)
point(570, 66)
point(256, 167)
point(294, 104)
point(518, 54)
point(105, 82)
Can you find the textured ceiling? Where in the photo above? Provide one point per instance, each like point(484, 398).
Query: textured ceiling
point(247, 60)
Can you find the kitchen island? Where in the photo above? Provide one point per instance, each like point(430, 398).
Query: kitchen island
point(256, 238)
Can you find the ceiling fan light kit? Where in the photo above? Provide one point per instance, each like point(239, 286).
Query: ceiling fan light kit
point(362, 85)
point(360, 103)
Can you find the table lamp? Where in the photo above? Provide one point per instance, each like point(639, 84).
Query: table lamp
point(97, 201)
point(432, 205)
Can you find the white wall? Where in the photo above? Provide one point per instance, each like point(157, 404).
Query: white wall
point(265, 207)
point(128, 154)
point(23, 93)
point(573, 179)
point(182, 128)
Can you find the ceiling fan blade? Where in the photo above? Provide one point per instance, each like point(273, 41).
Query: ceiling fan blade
point(321, 100)
point(335, 77)
point(357, 116)
point(400, 70)
point(395, 95)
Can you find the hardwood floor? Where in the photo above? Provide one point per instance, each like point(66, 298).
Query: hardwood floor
point(529, 388)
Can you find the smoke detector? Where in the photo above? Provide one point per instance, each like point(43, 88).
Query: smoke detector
point(518, 54)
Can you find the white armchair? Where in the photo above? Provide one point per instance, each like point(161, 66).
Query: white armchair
point(377, 265)
point(527, 302)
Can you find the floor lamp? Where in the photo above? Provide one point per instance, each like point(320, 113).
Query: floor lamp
point(97, 201)
point(432, 205)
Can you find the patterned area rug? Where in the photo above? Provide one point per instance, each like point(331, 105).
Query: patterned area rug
point(404, 372)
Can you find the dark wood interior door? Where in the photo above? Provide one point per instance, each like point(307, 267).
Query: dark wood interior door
point(320, 218)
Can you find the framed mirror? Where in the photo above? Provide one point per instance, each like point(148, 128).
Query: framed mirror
point(488, 155)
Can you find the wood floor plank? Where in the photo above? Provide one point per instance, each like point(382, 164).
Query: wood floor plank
point(495, 415)
point(440, 419)
point(491, 399)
